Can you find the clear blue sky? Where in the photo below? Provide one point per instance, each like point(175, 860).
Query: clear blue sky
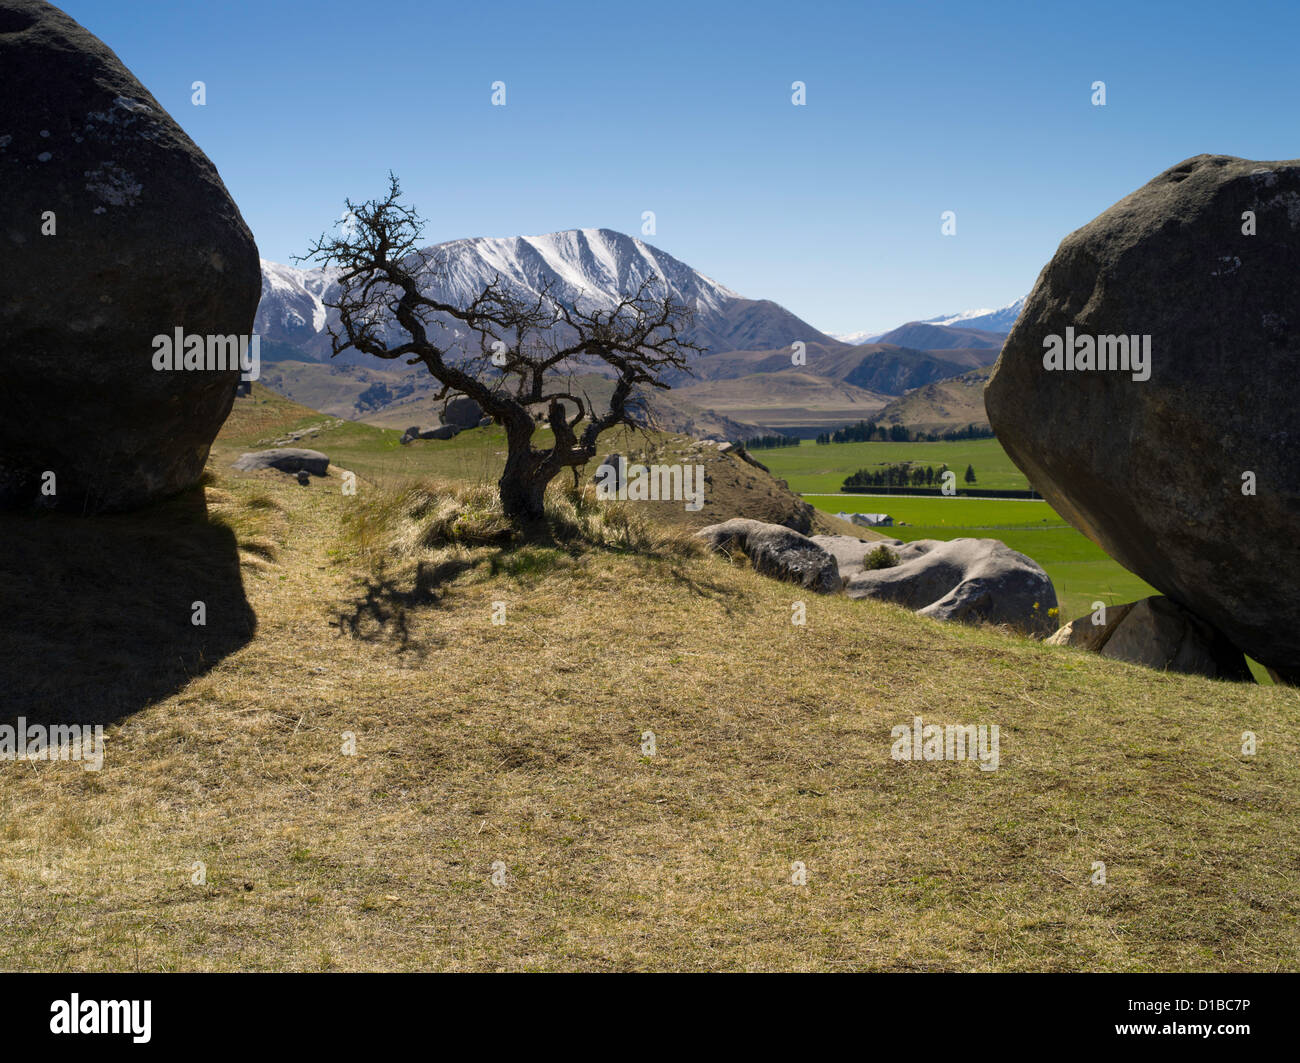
point(831, 209)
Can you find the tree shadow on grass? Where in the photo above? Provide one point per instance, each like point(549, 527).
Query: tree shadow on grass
point(381, 609)
point(96, 613)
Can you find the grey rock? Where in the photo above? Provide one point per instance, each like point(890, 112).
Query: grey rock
point(1152, 470)
point(463, 412)
point(970, 580)
point(775, 550)
point(285, 459)
point(446, 431)
point(148, 241)
point(1157, 633)
point(849, 551)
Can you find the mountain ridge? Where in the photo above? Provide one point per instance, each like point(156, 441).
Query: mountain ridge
point(594, 266)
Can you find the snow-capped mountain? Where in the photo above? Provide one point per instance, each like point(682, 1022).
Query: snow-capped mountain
point(595, 266)
point(999, 321)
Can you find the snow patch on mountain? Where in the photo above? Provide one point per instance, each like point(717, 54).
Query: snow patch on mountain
point(996, 320)
point(295, 293)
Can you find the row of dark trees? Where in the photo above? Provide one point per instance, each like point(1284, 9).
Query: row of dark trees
point(903, 474)
point(870, 432)
point(771, 442)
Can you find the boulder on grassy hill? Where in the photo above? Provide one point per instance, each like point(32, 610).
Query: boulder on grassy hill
point(1157, 633)
point(285, 459)
point(971, 580)
point(446, 431)
point(463, 412)
point(117, 234)
point(776, 551)
point(1182, 467)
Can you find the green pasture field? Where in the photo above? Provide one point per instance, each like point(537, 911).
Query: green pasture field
point(809, 467)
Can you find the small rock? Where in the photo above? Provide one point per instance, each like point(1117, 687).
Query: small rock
point(285, 459)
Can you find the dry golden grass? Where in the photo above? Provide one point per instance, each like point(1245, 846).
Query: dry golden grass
point(522, 743)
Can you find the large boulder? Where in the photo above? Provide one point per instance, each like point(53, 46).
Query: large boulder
point(1153, 470)
point(145, 241)
point(463, 412)
point(1157, 633)
point(285, 459)
point(970, 580)
point(775, 550)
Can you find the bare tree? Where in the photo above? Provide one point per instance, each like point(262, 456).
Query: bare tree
point(508, 352)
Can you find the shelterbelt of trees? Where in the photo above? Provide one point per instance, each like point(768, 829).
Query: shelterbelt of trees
point(869, 431)
point(903, 474)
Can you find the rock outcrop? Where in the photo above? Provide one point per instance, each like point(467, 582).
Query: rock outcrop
point(116, 230)
point(850, 552)
point(776, 551)
point(1157, 633)
point(285, 459)
point(463, 412)
point(969, 580)
point(1181, 467)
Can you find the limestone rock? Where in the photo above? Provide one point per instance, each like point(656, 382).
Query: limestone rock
point(776, 551)
point(1157, 633)
point(285, 459)
point(146, 241)
point(1153, 470)
point(971, 580)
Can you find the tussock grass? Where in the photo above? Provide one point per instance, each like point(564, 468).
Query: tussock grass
point(410, 521)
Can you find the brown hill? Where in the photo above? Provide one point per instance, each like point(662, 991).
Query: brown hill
point(952, 403)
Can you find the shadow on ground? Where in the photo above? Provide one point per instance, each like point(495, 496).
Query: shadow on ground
point(380, 610)
point(96, 613)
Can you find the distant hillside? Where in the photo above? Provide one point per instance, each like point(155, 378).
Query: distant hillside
point(882, 368)
point(398, 397)
point(787, 400)
point(919, 335)
point(952, 403)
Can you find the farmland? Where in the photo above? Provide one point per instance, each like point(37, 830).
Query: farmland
point(811, 468)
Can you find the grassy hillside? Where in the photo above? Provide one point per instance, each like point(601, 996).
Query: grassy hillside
point(519, 746)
